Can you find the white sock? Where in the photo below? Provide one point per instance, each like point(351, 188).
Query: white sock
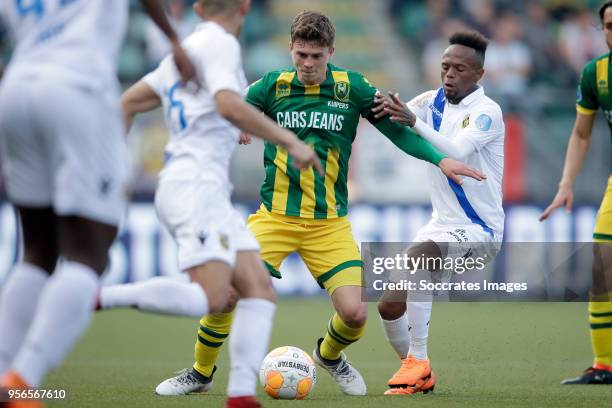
point(397, 334)
point(63, 313)
point(248, 344)
point(158, 295)
point(17, 307)
point(419, 314)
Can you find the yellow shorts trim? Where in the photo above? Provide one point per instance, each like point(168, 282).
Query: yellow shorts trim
point(603, 225)
point(347, 277)
point(585, 111)
point(326, 246)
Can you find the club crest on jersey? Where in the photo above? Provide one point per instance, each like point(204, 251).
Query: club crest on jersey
point(224, 241)
point(466, 121)
point(342, 90)
point(283, 89)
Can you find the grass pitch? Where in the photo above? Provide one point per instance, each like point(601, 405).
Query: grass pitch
point(484, 355)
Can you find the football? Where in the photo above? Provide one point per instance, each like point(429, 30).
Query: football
point(288, 373)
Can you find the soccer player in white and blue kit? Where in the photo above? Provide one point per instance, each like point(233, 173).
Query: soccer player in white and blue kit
point(193, 196)
point(64, 164)
point(461, 121)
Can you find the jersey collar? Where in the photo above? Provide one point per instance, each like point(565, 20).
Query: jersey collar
point(328, 76)
point(472, 97)
point(207, 23)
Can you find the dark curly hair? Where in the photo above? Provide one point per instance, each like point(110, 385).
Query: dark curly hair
point(603, 8)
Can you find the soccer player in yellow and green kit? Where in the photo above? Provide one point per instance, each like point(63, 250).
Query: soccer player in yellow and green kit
point(306, 213)
point(594, 92)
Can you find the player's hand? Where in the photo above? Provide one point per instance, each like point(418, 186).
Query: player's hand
point(183, 63)
point(245, 139)
point(454, 169)
point(564, 198)
point(398, 110)
point(379, 105)
point(304, 157)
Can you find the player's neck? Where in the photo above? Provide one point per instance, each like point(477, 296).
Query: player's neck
point(230, 24)
point(456, 100)
point(315, 81)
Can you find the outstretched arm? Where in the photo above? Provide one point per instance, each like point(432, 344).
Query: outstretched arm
point(579, 143)
point(414, 145)
point(139, 98)
point(408, 141)
point(458, 148)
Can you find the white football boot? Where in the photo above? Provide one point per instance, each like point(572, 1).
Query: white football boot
point(185, 383)
point(346, 376)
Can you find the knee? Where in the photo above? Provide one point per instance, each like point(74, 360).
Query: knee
point(355, 316)
point(267, 291)
point(232, 299)
point(41, 253)
point(391, 310)
point(219, 302)
point(42, 259)
point(262, 291)
point(256, 283)
point(230, 306)
point(99, 262)
point(86, 241)
point(601, 275)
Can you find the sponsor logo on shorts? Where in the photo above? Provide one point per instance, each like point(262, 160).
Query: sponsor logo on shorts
point(224, 241)
point(202, 237)
point(105, 186)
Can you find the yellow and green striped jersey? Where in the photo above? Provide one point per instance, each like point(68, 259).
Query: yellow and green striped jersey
point(595, 89)
point(324, 116)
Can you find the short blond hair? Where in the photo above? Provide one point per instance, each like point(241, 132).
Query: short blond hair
point(215, 7)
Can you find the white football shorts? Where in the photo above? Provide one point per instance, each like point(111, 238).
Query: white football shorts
point(468, 240)
point(63, 146)
point(203, 222)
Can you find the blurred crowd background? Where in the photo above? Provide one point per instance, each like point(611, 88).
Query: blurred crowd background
point(536, 53)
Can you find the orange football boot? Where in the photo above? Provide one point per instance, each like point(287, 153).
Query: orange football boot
point(410, 372)
point(13, 381)
point(425, 386)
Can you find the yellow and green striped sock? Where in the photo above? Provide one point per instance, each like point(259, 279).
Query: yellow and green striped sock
point(338, 337)
point(213, 331)
point(600, 319)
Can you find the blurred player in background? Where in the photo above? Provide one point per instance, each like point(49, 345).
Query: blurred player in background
point(64, 162)
point(193, 196)
point(460, 120)
point(304, 212)
point(594, 92)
